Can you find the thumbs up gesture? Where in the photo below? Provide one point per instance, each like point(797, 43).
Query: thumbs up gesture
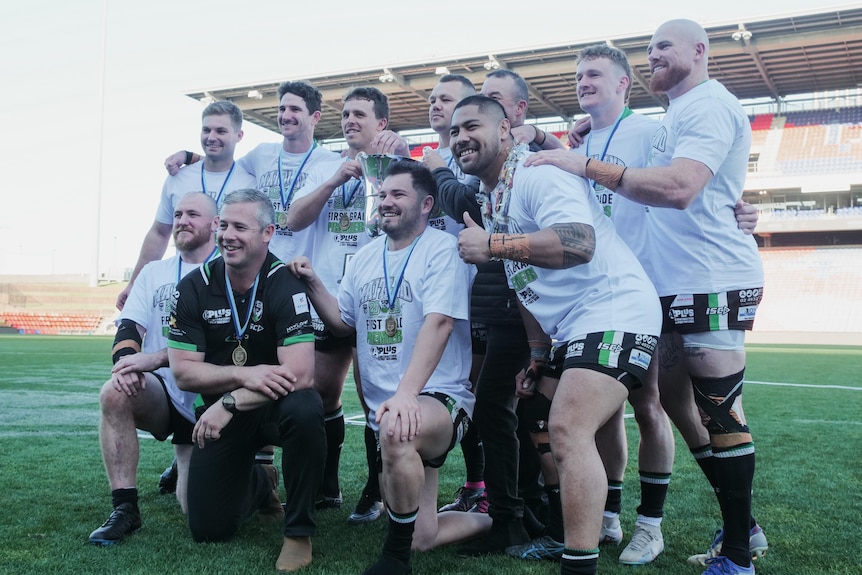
point(474, 242)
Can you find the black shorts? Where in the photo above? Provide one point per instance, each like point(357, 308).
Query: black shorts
point(479, 337)
point(621, 355)
point(179, 426)
point(325, 340)
point(700, 312)
point(460, 422)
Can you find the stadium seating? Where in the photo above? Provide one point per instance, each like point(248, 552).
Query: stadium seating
point(56, 305)
point(812, 141)
point(811, 290)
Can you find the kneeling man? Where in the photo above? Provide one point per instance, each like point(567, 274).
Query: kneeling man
point(407, 296)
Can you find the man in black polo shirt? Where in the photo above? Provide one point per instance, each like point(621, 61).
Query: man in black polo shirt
point(241, 336)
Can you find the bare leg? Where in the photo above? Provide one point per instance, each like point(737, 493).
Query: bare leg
point(585, 400)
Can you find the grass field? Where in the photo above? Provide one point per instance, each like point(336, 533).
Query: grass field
point(54, 491)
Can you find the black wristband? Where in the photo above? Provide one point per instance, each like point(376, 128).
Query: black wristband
point(123, 351)
point(189, 157)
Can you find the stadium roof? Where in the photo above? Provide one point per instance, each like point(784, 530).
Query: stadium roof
point(765, 58)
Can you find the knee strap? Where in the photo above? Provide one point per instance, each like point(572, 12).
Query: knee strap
point(719, 401)
point(536, 411)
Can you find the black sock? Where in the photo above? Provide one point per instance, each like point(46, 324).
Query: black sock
point(614, 502)
point(736, 475)
point(264, 457)
point(334, 424)
point(372, 486)
point(579, 562)
point(120, 496)
point(399, 537)
point(474, 455)
point(653, 493)
point(706, 460)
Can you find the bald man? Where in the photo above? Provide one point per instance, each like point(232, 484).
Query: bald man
point(710, 289)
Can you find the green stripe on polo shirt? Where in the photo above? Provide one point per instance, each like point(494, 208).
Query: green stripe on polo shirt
point(298, 339)
point(181, 345)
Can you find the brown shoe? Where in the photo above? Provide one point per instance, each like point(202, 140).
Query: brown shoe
point(271, 511)
point(295, 554)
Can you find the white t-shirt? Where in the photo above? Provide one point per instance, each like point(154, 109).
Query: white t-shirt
point(339, 230)
point(149, 305)
point(188, 180)
point(700, 249)
point(435, 280)
point(629, 147)
point(262, 162)
point(438, 219)
point(611, 292)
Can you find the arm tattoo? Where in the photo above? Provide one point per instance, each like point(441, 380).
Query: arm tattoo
point(579, 242)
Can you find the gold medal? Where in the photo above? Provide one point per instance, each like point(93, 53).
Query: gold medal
point(344, 221)
point(391, 326)
point(239, 355)
point(282, 219)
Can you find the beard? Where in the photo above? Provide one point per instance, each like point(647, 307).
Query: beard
point(188, 244)
point(672, 75)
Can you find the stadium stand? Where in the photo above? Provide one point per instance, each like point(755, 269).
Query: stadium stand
point(811, 290)
point(56, 305)
point(809, 142)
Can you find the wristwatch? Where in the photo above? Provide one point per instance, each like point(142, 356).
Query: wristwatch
point(229, 403)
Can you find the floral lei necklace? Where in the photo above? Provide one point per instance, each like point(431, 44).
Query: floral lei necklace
point(495, 214)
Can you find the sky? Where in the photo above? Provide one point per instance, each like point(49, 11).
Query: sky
point(93, 115)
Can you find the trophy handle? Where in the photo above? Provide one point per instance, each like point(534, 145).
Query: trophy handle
point(374, 168)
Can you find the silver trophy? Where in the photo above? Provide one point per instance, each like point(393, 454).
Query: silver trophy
point(374, 168)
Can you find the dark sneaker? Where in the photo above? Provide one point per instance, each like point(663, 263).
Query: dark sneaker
point(503, 534)
point(168, 479)
point(544, 547)
point(389, 566)
point(329, 501)
point(465, 499)
point(271, 511)
point(481, 505)
point(125, 519)
point(367, 510)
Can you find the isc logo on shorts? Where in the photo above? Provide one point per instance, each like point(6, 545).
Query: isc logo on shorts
point(722, 310)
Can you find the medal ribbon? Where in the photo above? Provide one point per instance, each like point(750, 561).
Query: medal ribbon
point(223, 185)
point(286, 203)
point(624, 114)
point(240, 331)
point(180, 264)
point(391, 296)
point(344, 197)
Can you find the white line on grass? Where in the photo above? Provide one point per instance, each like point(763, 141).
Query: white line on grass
point(811, 385)
point(827, 421)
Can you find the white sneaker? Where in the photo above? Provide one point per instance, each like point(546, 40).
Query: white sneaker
point(646, 544)
point(612, 532)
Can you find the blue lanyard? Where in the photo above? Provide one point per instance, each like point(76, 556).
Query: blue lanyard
point(390, 295)
point(286, 203)
point(240, 330)
point(625, 113)
point(223, 186)
point(180, 264)
point(344, 197)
